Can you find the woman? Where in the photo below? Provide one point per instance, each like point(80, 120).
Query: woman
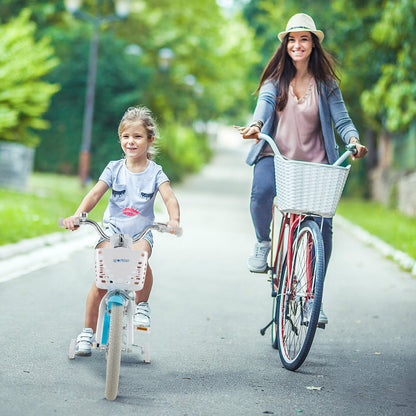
point(299, 103)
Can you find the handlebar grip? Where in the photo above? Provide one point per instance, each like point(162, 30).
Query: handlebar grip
point(352, 148)
point(61, 222)
point(178, 231)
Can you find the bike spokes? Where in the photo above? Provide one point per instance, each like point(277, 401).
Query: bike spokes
point(299, 297)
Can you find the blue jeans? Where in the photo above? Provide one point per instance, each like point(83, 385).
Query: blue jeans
point(263, 192)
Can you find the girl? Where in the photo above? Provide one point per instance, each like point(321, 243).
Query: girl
point(135, 181)
point(298, 101)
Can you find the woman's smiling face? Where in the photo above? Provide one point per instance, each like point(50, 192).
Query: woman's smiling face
point(299, 46)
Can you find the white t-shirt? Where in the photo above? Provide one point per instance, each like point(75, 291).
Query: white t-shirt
point(131, 194)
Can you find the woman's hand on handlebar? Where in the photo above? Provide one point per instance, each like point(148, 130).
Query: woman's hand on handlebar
point(71, 223)
point(361, 150)
point(250, 132)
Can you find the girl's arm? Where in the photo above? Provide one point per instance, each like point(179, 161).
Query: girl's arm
point(171, 203)
point(88, 203)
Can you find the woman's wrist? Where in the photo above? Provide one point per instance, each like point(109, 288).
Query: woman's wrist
point(257, 123)
point(354, 140)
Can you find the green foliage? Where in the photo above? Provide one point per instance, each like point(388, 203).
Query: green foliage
point(181, 151)
point(389, 225)
point(24, 96)
point(358, 183)
point(206, 79)
point(36, 212)
point(391, 102)
point(120, 83)
point(212, 56)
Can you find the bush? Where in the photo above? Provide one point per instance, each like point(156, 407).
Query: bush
point(24, 95)
point(181, 151)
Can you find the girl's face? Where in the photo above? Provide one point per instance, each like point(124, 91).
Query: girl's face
point(134, 141)
point(299, 46)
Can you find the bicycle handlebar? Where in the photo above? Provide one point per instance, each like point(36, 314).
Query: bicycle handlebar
point(351, 148)
point(158, 226)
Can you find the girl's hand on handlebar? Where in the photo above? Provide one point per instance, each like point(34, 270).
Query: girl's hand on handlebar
point(173, 224)
point(249, 132)
point(71, 223)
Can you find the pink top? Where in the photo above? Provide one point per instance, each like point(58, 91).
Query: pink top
point(299, 133)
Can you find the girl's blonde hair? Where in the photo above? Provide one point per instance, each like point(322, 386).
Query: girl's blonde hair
point(144, 116)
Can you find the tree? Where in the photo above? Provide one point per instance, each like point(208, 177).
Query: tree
point(212, 56)
point(391, 102)
point(121, 82)
point(24, 95)
point(208, 77)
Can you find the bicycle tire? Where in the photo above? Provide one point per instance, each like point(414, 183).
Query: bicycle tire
point(298, 293)
point(114, 352)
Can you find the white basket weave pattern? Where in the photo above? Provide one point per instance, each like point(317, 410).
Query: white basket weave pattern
point(308, 187)
point(120, 268)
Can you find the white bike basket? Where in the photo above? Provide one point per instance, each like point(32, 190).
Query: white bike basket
point(308, 187)
point(120, 268)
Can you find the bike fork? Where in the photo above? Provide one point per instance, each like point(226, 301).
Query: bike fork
point(103, 323)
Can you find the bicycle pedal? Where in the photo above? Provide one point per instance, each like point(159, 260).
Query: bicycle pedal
point(263, 272)
point(322, 326)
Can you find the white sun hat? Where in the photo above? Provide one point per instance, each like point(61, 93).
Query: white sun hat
point(301, 22)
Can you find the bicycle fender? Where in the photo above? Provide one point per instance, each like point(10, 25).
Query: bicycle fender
point(117, 299)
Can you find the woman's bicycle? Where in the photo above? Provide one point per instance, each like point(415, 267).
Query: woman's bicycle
point(121, 270)
point(296, 268)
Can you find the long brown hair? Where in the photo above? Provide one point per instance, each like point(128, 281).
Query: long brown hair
point(281, 70)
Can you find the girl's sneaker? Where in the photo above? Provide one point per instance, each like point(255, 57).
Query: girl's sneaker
point(84, 342)
point(142, 315)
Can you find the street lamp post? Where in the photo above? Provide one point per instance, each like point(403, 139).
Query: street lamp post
point(122, 8)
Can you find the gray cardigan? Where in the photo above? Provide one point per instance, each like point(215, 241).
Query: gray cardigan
point(331, 108)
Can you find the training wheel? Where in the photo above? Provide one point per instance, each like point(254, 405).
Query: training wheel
point(71, 352)
point(146, 351)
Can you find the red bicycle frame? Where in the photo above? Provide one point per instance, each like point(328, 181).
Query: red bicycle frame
point(292, 221)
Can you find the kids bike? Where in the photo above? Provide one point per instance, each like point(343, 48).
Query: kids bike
point(296, 267)
point(121, 270)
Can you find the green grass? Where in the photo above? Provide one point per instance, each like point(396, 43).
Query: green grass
point(36, 212)
point(391, 226)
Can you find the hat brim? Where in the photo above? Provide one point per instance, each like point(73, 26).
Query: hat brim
point(318, 33)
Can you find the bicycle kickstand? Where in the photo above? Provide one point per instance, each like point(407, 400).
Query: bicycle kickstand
point(263, 330)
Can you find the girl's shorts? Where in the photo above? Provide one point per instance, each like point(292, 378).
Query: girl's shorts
point(148, 237)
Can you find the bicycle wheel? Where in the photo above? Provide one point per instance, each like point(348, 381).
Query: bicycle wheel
point(300, 296)
point(114, 351)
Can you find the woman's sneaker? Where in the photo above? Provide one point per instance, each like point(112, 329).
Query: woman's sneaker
point(142, 315)
point(257, 262)
point(322, 320)
point(84, 342)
